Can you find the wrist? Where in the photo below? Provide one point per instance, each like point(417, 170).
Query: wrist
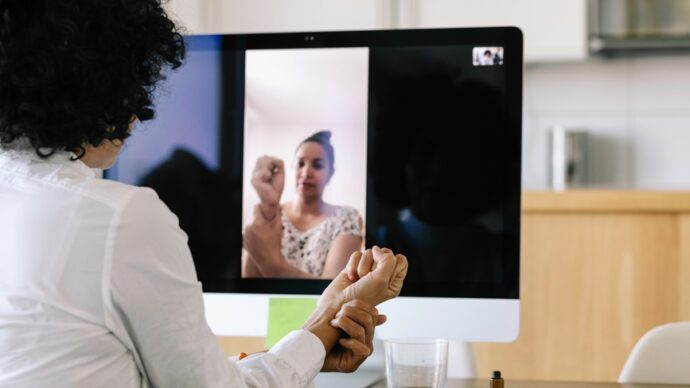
point(270, 264)
point(319, 324)
point(270, 210)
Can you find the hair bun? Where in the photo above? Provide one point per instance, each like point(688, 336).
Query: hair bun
point(324, 135)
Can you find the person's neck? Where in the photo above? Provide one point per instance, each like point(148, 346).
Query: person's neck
point(304, 206)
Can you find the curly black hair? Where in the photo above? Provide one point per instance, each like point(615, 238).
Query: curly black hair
point(76, 72)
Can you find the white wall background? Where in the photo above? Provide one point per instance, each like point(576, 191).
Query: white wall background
point(637, 111)
point(191, 14)
point(291, 94)
point(234, 16)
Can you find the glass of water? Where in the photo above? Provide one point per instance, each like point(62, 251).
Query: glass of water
point(417, 362)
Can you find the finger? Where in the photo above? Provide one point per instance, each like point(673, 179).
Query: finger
point(401, 268)
point(350, 327)
point(357, 348)
point(278, 178)
point(278, 166)
point(386, 263)
point(265, 161)
point(381, 319)
point(359, 304)
point(263, 164)
point(366, 318)
point(402, 265)
point(264, 173)
point(361, 317)
point(352, 265)
point(384, 250)
point(265, 168)
point(277, 218)
point(366, 263)
point(259, 179)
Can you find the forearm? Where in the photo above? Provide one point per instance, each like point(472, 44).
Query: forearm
point(249, 267)
point(319, 324)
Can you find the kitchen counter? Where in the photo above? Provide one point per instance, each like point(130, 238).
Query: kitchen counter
point(605, 200)
point(598, 269)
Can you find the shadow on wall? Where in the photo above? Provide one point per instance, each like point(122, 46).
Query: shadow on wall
point(206, 203)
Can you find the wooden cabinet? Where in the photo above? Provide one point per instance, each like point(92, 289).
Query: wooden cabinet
point(598, 269)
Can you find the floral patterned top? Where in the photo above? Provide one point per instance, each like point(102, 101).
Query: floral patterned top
point(307, 250)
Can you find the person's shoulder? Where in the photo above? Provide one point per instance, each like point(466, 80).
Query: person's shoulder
point(123, 196)
point(116, 193)
point(348, 219)
point(347, 211)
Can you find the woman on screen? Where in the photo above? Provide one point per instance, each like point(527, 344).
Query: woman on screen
point(305, 237)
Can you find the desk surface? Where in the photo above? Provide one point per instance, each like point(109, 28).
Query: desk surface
point(484, 383)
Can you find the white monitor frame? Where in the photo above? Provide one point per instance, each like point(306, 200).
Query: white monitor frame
point(462, 319)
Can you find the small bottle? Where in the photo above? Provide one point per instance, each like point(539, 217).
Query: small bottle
point(496, 380)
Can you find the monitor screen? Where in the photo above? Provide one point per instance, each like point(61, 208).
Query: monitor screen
point(404, 139)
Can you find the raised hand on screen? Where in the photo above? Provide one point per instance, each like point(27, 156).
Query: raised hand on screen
point(373, 276)
point(268, 179)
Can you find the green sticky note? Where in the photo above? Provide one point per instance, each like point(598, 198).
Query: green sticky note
point(286, 315)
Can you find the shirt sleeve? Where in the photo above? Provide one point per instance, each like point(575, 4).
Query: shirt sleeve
point(349, 222)
point(155, 306)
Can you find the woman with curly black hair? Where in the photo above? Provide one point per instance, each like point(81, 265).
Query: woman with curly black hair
point(97, 285)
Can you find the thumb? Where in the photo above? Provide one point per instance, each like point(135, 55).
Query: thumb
point(381, 319)
point(277, 218)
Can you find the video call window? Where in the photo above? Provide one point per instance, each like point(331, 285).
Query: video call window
point(487, 56)
point(318, 94)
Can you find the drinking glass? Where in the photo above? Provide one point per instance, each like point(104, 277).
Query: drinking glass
point(417, 362)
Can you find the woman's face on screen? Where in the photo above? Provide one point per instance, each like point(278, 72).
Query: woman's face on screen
point(312, 170)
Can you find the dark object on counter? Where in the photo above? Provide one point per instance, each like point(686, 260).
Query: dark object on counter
point(496, 380)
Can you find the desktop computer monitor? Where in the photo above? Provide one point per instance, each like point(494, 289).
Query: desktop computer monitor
point(426, 131)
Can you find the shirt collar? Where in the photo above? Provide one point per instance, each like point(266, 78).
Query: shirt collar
point(22, 152)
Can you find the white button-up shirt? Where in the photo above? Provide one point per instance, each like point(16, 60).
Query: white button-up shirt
point(98, 289)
